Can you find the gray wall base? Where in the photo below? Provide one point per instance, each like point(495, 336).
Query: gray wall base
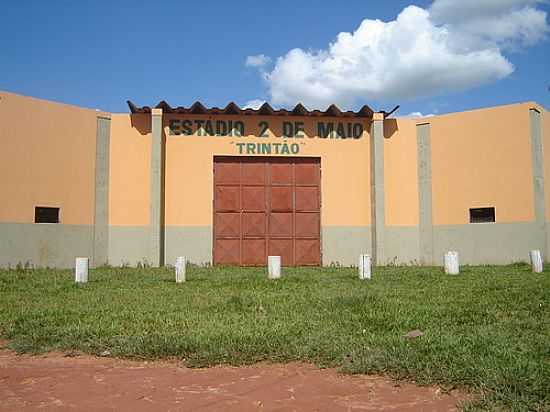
point(193, 242)
point(488, 243)
point(343, 244)
point(41, 245)
point(129, 245)
point(44, 245)
point(402, 245)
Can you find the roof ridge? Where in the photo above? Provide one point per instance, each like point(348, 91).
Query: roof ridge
point(264, 110)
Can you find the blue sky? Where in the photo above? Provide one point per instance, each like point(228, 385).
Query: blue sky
point(99, 54)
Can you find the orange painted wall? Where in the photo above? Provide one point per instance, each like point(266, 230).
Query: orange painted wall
point(482, 158)
point(546, 149)
point(345, 171)
point(400, 173)
point(129, 178)
point(50, 161)
point(47, 159)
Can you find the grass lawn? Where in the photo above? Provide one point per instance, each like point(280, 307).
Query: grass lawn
point(487, 330)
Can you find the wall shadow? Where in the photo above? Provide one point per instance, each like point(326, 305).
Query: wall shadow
point(141, 122)
point(390, 128)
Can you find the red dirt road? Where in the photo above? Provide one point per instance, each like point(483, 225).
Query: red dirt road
point(85, 383)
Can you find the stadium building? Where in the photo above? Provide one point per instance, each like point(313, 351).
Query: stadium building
point(232, 185)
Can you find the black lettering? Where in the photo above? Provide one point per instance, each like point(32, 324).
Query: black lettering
point(264, 127)
point(240, 146)
point(284, 149)
point(251, 148)
point(174, 127)
point(324, 130)
point(221, 128)
point(276, 147)
point(299, 130)
point(266, 148)
point(238, 129)
point(340, 131)
point(349, 132)
point(200, 130)
point(294, 148)
point(357, 130)
point(209, 129)
point(288, 129)
point(187, 127)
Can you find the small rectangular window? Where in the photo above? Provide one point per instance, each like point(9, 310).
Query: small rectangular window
point(46, 214)
point(482, 215)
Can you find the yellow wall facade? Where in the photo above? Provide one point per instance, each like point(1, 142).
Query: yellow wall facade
point(47, 158)
point(345, 169)
point(482, 158)
point(479, 158)
point(129, 170)
point(400, 173)
point(546, 150)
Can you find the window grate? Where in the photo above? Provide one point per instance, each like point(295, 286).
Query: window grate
point(482, 215)
point(43, 214)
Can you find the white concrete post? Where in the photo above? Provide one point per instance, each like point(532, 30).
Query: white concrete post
point(181, 263)
point(365, 263)
point(81, 270)
point(452, 266)
point(273, 267)
point(536, 260)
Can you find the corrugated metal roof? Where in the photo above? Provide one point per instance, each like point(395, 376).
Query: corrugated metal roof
point(264, 110)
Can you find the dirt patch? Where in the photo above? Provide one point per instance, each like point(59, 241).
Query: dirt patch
point(86, 383)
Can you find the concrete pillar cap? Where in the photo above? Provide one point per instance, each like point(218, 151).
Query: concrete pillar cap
point(378, 116)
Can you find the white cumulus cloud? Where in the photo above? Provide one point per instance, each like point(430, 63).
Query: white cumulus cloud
point(506, 24)
point(258, 60)
point(254, 104)
point(452, 45)
point(416, 115)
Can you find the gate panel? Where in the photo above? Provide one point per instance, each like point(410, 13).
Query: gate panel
point(253, 173)
point(283, 248)
point(254, 198)
point(228, 225)
point(281, 172)
point(307, 225)
point(228, 198)
point(280, 224)
point(267, 206)
point(228, 251)
point(307, 172)
point(253, 252)
point(227, 172)
point(281, 198)
point(307, 198)
point(254, 224)
point(307, 251)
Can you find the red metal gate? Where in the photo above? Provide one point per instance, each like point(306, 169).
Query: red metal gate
point(267, 206)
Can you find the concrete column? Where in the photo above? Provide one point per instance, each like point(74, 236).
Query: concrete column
point(424, 162)
point(100, 254)
point(537, 160)
point(378, 220)
point(156, 243)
